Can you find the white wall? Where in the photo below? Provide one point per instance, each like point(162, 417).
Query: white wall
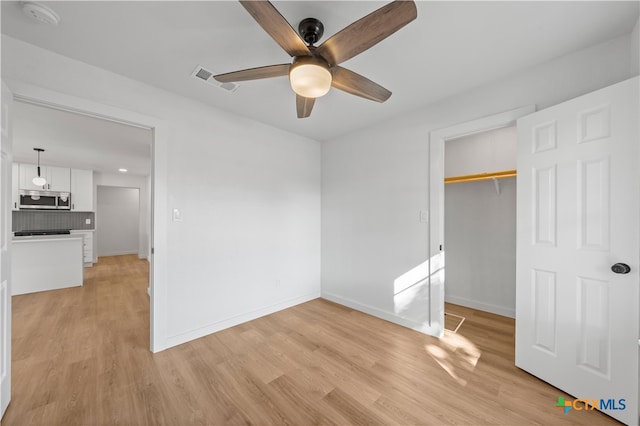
point(142, 183)
point(480, 246)
point(117, 220)
point(490, 151)
point(249, 242)
point(374, 181)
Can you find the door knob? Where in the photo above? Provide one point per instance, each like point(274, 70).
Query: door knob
point(621, 268)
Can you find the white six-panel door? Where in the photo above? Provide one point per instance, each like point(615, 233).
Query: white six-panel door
point(578, 214)
point(5, 240)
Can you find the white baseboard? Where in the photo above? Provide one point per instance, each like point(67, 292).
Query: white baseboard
point(388, 316)
point(494, 309)
point(187, 336)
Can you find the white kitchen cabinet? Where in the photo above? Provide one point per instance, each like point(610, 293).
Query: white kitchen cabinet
point(81, 190)
point(15, 183)
point(27, 173)
point(58, 178)
point(87, 246)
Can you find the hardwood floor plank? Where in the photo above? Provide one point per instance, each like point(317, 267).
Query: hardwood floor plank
point(408, 412)
point(81, 357)
point(252, 394)
point(353, 411)
point(303, 408)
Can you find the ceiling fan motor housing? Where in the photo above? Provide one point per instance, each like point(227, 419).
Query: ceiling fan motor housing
point(311, 30)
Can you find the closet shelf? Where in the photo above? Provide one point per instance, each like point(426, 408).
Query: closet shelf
point(480, 176)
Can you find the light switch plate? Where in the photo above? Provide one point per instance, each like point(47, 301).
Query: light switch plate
point(424, 216)
point(177, 215)
point(87, 221)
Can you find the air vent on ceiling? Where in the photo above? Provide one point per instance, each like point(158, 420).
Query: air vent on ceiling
point(203, 74)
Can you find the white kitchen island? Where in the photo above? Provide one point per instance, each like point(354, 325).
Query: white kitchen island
point(41, 263)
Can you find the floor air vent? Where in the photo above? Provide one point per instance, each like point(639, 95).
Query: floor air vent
point(203, 74)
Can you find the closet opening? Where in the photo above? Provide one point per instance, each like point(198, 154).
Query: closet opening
point(480, 221)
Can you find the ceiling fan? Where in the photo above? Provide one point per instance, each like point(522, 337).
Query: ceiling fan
point(315, 70)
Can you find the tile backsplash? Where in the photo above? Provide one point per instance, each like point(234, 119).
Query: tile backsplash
point(38, 219)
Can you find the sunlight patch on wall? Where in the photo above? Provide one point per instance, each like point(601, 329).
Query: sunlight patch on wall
point(411, 290)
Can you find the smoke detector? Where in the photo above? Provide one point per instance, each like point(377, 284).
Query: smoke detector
point(41, 13)
point(203, 74)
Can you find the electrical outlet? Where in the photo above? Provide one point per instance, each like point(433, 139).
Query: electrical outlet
point(424, 216)
point(87, 221)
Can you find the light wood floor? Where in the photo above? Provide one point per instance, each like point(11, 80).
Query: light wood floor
point(81, 356)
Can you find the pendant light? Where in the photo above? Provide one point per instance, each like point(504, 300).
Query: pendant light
point(39, 180)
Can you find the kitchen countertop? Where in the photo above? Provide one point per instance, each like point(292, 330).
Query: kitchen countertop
point(27, 238)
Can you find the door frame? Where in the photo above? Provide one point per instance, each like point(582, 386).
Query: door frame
point(159, 219)
point(437, 138)
point(6, 148)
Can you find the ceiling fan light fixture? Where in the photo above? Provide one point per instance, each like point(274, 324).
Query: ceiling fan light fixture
point(310, 77)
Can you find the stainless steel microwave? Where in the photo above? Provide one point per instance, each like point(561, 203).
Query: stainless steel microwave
point(45, 200)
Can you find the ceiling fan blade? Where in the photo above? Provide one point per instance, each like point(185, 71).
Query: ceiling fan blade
point(351, 82)
point(276, 26)
point(368, 31)
point(254, 73)
point(304, 106)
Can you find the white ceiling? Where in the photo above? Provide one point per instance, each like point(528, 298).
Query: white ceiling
point(79, 141)
point(451, 48)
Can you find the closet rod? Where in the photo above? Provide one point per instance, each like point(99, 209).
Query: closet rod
point(481, 176)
